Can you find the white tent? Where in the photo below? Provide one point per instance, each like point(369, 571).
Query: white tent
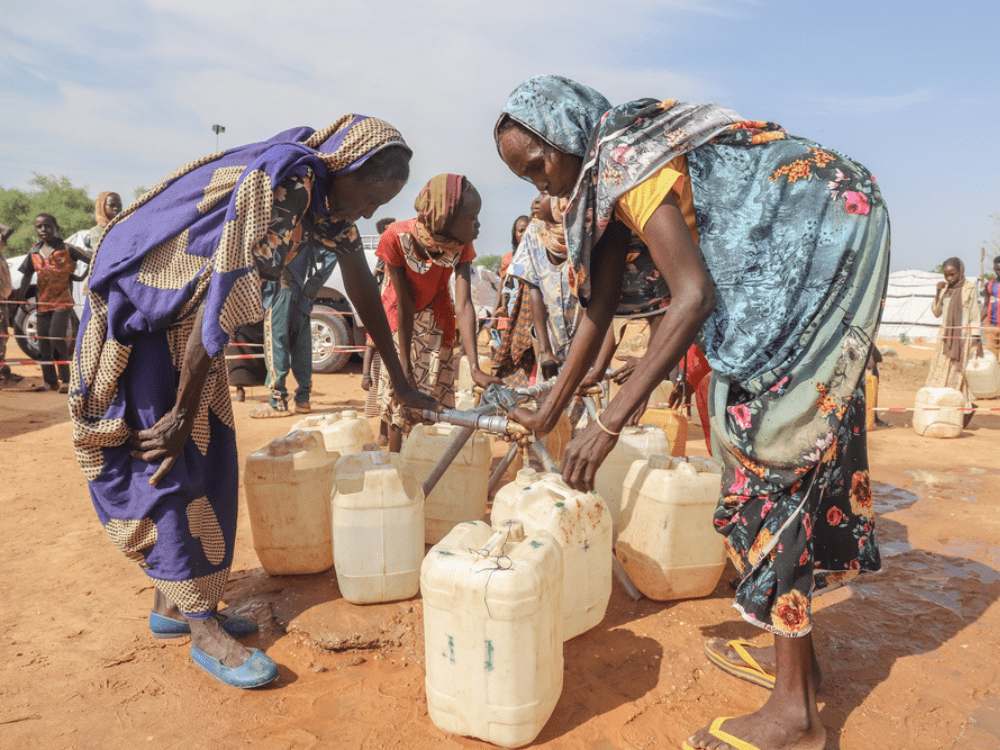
point(908, 307)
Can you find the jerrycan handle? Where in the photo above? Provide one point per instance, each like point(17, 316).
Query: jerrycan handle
point(294, 442)
point(663, 463)
point(511, 531)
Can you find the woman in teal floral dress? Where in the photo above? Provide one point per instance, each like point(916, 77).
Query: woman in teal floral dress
point(776, 251)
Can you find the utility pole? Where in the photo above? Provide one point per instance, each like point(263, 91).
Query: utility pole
point(218, 129)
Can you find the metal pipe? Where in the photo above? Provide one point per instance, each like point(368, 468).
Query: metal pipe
point(502, 467)
point(543, 455)
point(623, 579)
point(457, 443)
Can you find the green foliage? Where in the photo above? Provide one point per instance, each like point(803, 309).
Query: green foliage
point(939, 268)
point(491, 262)
point(72, 207)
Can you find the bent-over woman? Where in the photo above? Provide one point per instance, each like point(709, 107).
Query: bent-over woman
point(175, 275)
point(776, 250)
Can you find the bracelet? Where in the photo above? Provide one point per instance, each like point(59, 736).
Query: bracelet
point(366, 377)
point(598, 420)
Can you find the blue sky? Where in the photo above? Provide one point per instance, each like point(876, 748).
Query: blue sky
point(117, 95)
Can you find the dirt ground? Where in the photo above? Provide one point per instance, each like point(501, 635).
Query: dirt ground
point(910, 654)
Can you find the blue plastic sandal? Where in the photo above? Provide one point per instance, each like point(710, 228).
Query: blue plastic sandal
point(255, 672)
point(167, 627)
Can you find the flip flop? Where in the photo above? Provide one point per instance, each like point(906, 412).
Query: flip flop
point(715, 730)
point(748, 670)
point(167, 627)
point(266, 411)
point(255, 672)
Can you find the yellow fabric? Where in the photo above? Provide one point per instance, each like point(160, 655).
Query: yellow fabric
point(638, 204)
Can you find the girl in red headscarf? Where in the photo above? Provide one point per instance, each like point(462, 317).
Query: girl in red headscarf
point(420, 255)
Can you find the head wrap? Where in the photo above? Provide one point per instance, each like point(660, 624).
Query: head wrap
point(563, 113)
point(100, 217)
point(436, 205)
point(952, 346)
point(215, 209)
point(628, 144)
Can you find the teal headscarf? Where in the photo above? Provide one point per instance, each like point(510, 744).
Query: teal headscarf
point(561, 112)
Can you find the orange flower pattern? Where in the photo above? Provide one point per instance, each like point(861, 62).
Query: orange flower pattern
point(791, 613)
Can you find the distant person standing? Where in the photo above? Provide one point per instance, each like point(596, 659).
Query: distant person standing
point(957, 304)
point(991, 310)
point(106, 207)
point(8, 380)
point(54, 263)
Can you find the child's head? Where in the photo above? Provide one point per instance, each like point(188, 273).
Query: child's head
point(996, 266)
point(517, 231)
point(46, 227)
point(382, 224)
point(541, 208)
point(464, 223)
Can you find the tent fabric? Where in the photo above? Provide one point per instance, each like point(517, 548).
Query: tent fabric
point(908, 307)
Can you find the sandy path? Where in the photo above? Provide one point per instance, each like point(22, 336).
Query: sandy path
point(910, 654)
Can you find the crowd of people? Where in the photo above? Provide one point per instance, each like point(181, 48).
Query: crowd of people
point(758, 258)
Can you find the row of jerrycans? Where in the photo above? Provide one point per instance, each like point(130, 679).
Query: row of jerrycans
point(499, 600)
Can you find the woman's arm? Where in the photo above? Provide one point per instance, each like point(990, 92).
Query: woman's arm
point(165, 440)
point(465, 314)
point(363, 293)
point(27, 269)
point(406, 311)
point(679, 260)
point(607, 267)
point(548, 362)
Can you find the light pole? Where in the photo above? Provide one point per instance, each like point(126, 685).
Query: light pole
point(218, 129)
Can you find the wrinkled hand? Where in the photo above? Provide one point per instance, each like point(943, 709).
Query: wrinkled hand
point(592, 378)
point(675, 397)
point(549, 364)
point(624, 372)
point(164, 442)
point(584, 455)
point(484, 379)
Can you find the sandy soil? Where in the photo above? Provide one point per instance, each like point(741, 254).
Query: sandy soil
point(910, 654)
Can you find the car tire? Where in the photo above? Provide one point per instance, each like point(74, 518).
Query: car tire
point(328, 330)
point(25, 327)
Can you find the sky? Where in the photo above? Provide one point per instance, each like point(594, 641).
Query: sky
point(118, 94)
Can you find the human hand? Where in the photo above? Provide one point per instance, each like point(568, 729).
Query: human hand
point(979, 349)
point(164, 442)
point(624, 372)
point(584, 455)
point(410, 398)
point(941, 285)
point(549, 364)
point(366, 382)
point(484, 379)
point(676, 396)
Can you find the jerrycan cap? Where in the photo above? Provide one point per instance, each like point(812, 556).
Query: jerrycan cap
point(294, 442)
point(525, 477)
point(514, 530)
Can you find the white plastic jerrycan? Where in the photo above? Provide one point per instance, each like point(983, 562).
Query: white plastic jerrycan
point(378, 528)
point(667, 541)
point(345, 432)
point(463, 380)
point(983, 375)
point(493, 632)
point(634, 444)
point(581, 523)
point(461, 494)
point(288, 486)
point(938, 412)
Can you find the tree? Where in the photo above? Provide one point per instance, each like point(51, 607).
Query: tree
point(490, 262)
point(72, 207)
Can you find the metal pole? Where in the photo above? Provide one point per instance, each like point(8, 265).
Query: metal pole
point(457, 443)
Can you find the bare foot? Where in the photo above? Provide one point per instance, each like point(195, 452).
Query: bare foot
point(763, 655)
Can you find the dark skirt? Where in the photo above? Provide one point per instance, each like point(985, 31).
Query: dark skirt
point(247, 373)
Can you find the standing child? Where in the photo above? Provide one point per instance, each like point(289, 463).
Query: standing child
point(54, 262)
point(420, 255)
point(991, 310)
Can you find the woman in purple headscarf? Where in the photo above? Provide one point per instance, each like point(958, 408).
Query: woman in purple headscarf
point(176, 274)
